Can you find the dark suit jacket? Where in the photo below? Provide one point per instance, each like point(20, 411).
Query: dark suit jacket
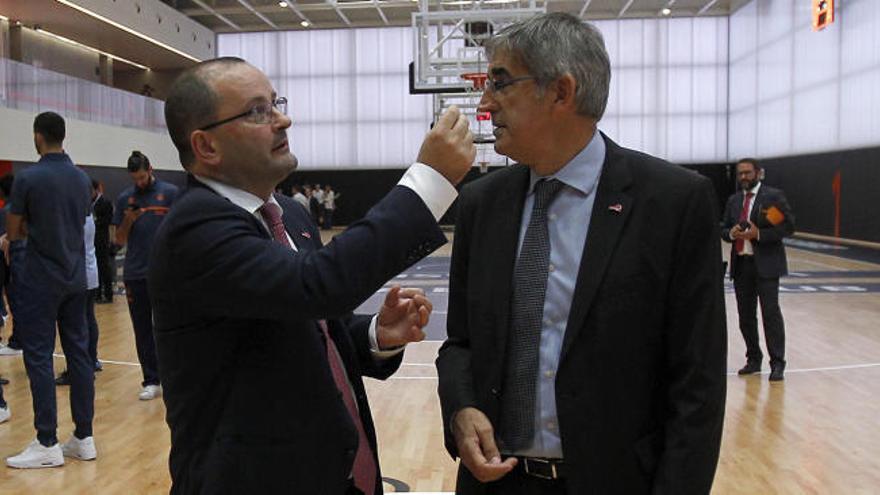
point(641, 383)
point(769, 251)
point(103, 210)
point(250, 397)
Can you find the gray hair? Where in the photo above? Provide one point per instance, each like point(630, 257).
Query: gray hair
point(552, 45)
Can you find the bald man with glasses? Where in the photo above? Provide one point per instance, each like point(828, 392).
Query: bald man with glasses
point(260, 357)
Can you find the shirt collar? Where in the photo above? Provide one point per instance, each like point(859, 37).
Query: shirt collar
point(238, 197)
point(754, 190)
point(55, 157)
point(582, 172)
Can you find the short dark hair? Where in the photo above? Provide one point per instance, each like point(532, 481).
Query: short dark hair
point(192, 103)
point(95, 184)
point(50, 125)
point(753, 161)
point(138, 161)
point(6, 184)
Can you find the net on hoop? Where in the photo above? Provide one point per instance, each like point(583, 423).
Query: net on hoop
point(478, 79)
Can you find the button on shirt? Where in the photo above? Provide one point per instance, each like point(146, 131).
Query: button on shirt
point(156, 199)
point(568, 222)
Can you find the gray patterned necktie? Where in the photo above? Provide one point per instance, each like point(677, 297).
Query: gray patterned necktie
point(527, 311)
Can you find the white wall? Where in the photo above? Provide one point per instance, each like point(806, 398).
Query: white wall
point(87, 143)
point(668, 87)
point(348, 93)
point(351, 107)
point(794, 90)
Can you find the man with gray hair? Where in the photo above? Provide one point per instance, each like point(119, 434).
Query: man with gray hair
point(586, 349)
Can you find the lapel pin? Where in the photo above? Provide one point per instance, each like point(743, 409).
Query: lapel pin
point(616, 208)
point(306, 234)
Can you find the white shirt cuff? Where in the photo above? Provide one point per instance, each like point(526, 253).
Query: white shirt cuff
point(437, 192)
point(374, 343)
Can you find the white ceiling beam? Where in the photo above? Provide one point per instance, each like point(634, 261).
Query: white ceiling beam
point(263, 18)
point(381, 14)
point(707, 7)
point(296, 10)
point(342, 16)
point(625, 8)
point(584, 8)
point(216, 14)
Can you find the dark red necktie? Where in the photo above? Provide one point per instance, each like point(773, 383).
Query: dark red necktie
point(364, 469)
point(740, 244)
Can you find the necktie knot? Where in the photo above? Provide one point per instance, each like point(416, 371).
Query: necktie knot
point(271, 213)
point(545, 191)
point(750, 195)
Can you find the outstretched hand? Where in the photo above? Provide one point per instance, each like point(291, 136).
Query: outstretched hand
point(403, 317)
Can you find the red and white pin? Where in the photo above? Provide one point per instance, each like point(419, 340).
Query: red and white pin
point(305, 233)
point(616, 207)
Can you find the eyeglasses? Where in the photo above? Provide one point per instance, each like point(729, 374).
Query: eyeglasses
point(258, 114)
point(494, 86)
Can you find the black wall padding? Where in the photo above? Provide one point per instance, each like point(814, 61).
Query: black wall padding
point(808, 183)
point(806, 179)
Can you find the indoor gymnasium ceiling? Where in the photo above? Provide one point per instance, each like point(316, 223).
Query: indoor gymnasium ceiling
point(266, 15)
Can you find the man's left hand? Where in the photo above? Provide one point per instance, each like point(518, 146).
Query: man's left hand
point(402, 317)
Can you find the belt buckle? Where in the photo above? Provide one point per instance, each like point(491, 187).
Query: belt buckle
point(529, 460)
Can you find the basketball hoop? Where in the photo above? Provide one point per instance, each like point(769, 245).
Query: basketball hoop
point(478, 79)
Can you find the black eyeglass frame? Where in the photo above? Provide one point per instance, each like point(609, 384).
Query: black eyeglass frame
point(494, 86)
point(279, 103)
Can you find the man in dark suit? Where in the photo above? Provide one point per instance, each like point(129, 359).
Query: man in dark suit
point(259, 355)
point(103, 211)
point(756, 219)
point(586, 349)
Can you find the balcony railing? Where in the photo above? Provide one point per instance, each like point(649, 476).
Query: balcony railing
point(25, 87)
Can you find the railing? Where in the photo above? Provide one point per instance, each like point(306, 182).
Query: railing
point(25, 87)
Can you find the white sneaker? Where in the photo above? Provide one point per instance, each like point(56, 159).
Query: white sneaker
point(83, 450)
point(4, 414)
point(150, 392)
point(5, 350)
point(37, 456)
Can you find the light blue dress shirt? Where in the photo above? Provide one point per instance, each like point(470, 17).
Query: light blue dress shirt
point(568, 220)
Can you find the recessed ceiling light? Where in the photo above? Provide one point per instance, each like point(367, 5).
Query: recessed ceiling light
point(282, 4)
point(305, 24)
point(666, 11)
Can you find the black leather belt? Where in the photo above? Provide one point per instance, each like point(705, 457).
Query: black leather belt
point(548, 469)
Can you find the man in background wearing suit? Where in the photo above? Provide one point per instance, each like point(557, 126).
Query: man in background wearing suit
point(586, 349)
point(260, 358)
point(756, 220)
point(103, 211)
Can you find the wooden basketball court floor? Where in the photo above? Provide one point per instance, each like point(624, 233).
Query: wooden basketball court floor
point(816, 433)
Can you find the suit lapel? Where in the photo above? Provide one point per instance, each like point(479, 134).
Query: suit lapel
point(298, 230)
point(506, 216)
point(611, 210)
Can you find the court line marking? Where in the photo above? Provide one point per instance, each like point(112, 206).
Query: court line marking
point(732, 373)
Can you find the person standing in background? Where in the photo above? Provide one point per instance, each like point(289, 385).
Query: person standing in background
point(50, 203)
point(330, 198)
point(756, 219)
point(91, 286)
point(140, 210)
point(102, 209)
